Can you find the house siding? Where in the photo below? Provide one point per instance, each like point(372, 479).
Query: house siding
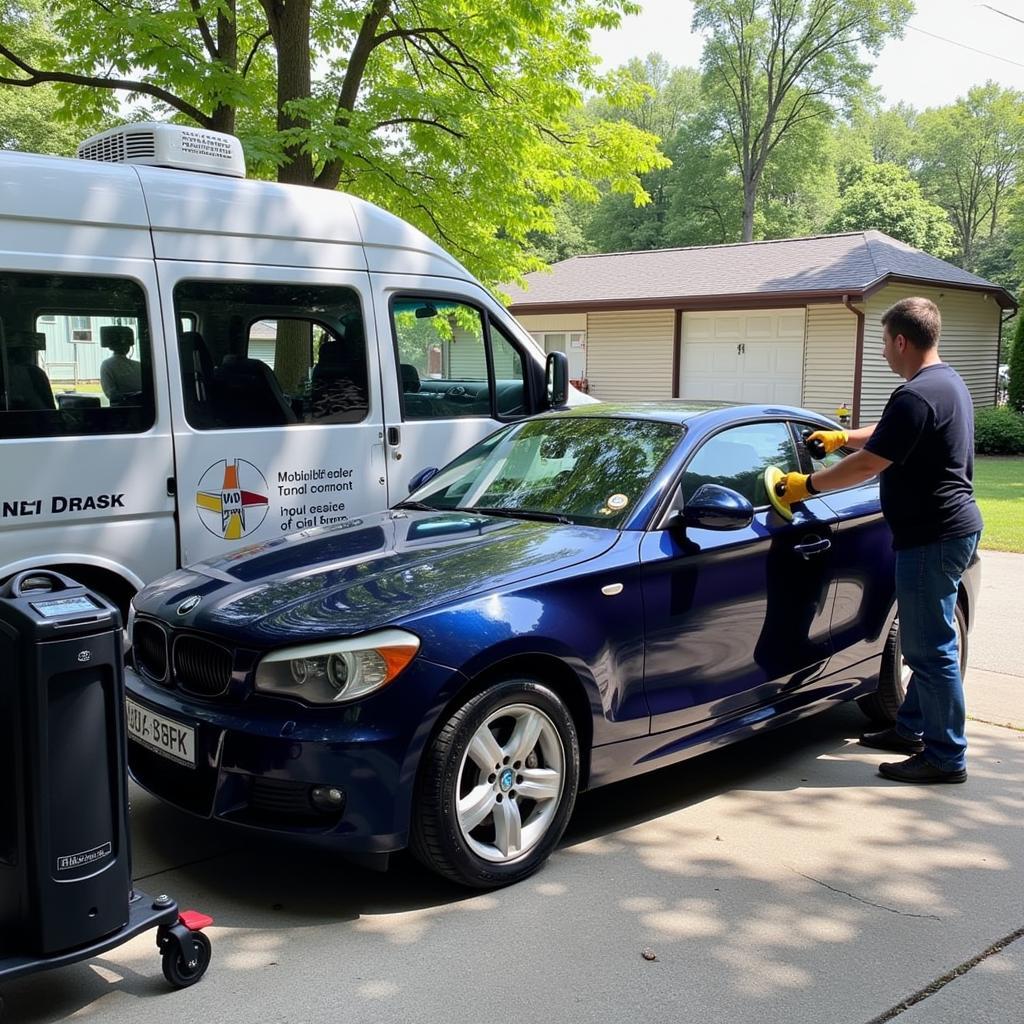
point(970, 338)
point(629, 355)
point(830, 356)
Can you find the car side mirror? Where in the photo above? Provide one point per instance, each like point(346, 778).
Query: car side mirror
point(422, 477)
point(556, 375)
point(715, 508)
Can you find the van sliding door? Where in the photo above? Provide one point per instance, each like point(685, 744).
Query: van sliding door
point(276, 403)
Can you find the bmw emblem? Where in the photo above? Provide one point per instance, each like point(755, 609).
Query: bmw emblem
point(188, 604)
point(507, 778)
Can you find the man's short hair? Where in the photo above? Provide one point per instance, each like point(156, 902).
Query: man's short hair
point(917, 319)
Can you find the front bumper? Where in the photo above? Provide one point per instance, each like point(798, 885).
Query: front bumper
point(257, 761)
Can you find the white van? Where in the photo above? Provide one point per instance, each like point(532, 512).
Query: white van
point(191, 362)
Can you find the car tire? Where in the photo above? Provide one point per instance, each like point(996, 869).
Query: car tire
point(473, 821)
point(883, 705)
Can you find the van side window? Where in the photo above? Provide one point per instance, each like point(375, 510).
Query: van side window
point(75, 356)
point(446, 367)
point(268, 355)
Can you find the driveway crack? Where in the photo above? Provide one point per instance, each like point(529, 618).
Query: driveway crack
point(956, 972)
point(860, 899)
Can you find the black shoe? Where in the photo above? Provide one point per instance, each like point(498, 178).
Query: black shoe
point(917, 769)
point(890, 739)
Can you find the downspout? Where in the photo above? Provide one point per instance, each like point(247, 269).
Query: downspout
point(858, 362)
point(999, 349)
point(677, 345)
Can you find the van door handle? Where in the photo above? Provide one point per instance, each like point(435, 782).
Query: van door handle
point(814, 546)
point(394, 435)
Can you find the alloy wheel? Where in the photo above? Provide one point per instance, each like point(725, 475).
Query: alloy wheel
point(510, 783)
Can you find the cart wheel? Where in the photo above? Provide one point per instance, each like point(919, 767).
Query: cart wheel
point(181, 970)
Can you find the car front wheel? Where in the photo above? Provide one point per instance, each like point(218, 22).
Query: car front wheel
point(497, 786)
point(894, 678)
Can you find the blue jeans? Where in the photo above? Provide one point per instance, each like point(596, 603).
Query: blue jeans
point(927, 578)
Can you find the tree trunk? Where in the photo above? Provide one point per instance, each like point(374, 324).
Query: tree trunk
point(227, 54)
point(290, 29)
point(749, 200)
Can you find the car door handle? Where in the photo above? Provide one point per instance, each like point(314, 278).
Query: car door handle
point(817, 546)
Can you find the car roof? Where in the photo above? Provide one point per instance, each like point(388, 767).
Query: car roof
point(683, 411)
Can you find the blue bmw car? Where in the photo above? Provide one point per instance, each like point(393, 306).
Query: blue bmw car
point(579, 598)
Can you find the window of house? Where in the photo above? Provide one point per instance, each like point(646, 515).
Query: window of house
point(50, 384)
point(737, 458)
point(261, 355)
point(81, 329)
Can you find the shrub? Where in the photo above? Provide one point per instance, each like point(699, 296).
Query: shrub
point(1015, 392)
point(998, 432)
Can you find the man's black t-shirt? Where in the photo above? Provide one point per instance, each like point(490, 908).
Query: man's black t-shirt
point(927, 432)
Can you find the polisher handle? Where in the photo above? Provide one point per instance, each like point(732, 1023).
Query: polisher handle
point(815, 447)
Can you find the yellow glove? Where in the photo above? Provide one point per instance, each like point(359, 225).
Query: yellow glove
point(830, 440)
point(792, 487)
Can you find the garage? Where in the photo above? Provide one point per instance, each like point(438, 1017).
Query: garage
point(755, 356)
point(793, 321)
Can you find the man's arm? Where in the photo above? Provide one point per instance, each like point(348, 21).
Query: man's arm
point(859, 437)
point(852, 470)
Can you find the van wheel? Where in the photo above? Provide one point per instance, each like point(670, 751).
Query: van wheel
point(497, 786)
point(883, 705)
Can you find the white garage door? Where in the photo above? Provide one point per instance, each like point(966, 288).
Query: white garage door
point(753, 356)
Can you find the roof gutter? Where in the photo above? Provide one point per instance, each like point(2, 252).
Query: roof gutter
point(858, 362)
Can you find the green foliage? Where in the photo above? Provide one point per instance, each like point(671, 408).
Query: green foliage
point(1015, 391)
point(969, 153)
point(464, 119)
point(998, 432)
point(778, 68)
point(886, 198)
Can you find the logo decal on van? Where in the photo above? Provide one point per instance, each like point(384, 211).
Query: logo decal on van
point(232, 499)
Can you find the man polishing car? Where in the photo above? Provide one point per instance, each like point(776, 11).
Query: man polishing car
point(923, 447)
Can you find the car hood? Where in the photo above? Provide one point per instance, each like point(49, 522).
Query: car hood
point(363, 574)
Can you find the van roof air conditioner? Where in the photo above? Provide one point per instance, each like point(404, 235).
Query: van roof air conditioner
point(167, 145)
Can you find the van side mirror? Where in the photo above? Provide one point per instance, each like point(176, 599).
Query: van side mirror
point(556, 376)
point(714, 508)
point(422, 477)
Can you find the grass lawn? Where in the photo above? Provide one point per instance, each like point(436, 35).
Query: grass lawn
point(999, 488)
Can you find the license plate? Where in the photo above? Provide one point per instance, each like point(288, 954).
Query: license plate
point(161, 735)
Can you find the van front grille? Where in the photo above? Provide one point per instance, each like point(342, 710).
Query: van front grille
point(149, 645)
point(201, 667)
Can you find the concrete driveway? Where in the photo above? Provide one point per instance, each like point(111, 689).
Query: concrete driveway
point(777, 881)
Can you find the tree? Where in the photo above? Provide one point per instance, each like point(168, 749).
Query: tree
point(656, 98)
point(460, 117)
point(1015, 392)
point(969, 154)
point(777, 65)
point(885, 198)
point(35, 121)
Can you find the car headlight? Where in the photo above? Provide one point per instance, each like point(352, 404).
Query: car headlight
point(337, 671)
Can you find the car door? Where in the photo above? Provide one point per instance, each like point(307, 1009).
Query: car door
point(736, 618)
point(458, 373)
point(863, 563)
point(275, 388)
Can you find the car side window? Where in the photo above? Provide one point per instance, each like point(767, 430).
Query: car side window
point(737, 458)
point(269, 355)
point(75, 356)
point(445, 360)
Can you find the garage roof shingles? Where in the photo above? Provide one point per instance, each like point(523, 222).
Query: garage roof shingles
point(834, 264)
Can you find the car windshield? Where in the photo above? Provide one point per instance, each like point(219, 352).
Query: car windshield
point(589, 470)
